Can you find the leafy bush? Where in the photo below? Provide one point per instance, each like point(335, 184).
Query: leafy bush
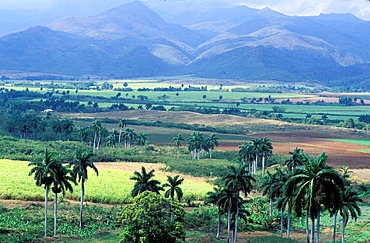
point(152, 219)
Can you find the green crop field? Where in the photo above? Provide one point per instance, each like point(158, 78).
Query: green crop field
point(365, 142)
point(111, 186)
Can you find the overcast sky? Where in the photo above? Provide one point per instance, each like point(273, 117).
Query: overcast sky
point(360, 8)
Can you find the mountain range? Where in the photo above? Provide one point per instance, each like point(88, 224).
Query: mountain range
point(229, 42)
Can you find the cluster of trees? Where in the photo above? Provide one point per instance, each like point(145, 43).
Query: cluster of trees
point(197, 142)
point(228, 200)
point(52, 174)
point(97, 133)
point(307, 188)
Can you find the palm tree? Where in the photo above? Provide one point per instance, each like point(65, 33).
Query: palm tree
point(298, 158)
point(144, 182)
point(177, 140)
point(82, 161)
point(44, 175)
point(257, 146)
point(266, 151)
point(273, 186)
point(195, 143)
point(129, 135)
point(57, 127)
point(209, 144)
point(212, 198)
point(61, 184)
point(142, 138)
point(313, 186)
point(347, 206)
point(122, 124)
point(110, 140)
point(97, 126)
point(67, 126)
point(247, 154)
point(174, 187)
point(228, 201)
point(237, 180)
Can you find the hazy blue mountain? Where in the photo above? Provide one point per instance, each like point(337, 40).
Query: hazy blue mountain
point(132, 19)
point(132, 40)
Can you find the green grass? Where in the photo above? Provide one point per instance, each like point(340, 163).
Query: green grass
point(110, 186)
point(365, 142)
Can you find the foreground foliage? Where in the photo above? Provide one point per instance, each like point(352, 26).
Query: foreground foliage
point(152, 219)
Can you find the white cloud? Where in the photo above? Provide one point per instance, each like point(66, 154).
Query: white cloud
point(360, 8)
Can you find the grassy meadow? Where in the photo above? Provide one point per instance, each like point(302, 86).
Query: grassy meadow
point(111, 186)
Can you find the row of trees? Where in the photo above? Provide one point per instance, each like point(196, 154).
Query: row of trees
point(52, 174)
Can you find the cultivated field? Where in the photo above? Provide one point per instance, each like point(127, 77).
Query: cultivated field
point(285, 136)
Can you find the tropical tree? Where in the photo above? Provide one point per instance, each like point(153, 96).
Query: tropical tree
point(97, 127)
point(129, 135)
point(210, 143)
point(228, 201)
point(144, 182)
point(298, 158)
point(61, 184)
point(237, 180)
point(174, 187)
point(266, 151)
point(57, 127)
point(257, 146)
point(142, 138)
point(272, 186)
point(44, 173)
point(122, 124)
point(314, 187)
point(110, 140)
point(67, 126)
point(177, 140)
point(347, 207)
point(80, 173)
point(212, 198)
point(247, 154)
point(195, 144)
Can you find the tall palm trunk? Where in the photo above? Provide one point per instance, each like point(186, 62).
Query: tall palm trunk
point(318, 227)
point(119, 136)
point(335, 226)
point(312, 230)
point(255, 165)
point(263, 165)
point(343, 229)
point(307, 230)
point(228, 224)
point(218, 226)
point(55, 213)
point(46, 210)
point(210, 153)
point(289, 219)
point(82, 202)
point(236, 224)
point(281, 222)
point(271, 206)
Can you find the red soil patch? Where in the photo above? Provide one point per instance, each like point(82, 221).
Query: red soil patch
point(314, 143)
